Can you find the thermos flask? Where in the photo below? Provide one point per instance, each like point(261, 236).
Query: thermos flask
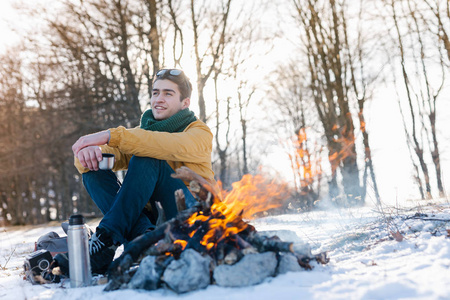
point(79, 259)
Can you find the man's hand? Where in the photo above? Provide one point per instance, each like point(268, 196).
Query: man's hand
point(89, 157)
point(95, 139)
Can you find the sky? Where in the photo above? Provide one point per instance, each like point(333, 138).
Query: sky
point(6, 35)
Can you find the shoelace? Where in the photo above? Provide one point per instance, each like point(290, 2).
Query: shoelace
point(95, 244)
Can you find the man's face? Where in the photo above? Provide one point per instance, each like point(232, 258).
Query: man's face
point(165, 100)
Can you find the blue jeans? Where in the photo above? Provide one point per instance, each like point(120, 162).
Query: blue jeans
point(147, 180)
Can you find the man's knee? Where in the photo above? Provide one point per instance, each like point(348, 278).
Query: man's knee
point(146, 162)
point(97, 177)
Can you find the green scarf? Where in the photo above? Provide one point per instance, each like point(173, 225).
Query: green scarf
point(176, 123)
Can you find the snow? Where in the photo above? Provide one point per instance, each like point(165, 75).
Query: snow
point(366, 262)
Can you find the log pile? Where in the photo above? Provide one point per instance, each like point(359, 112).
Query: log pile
point(206, 242)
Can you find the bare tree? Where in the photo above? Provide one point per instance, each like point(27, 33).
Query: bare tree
point(31, 137)
point(110, 43)
point(222, 141)
point(243, 103)
point(288, 93)
point(333, 81)
point(244, 43)
point(12, 104)
point(210, 24)
point(241, 57)
point(440, 22)
point(418, 43)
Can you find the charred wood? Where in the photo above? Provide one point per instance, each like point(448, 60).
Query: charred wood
point(233, 256)
point(165, 246)
point(162, 248)
point(180, 200)
point(322, 258)
point(198, 185)
point(263, 243)
point(161, 214)
point(246, 247)
point(219, 252)
point(136, 247)
point(249, 229)
point(118, 275)
point(203, 194)
point(187, 175)
point(304, 260)
point(180, 231)
point(194, 241)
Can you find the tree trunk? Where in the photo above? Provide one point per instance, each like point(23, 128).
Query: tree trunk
point(154, 35)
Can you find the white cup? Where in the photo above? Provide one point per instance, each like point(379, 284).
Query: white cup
point(107, 163)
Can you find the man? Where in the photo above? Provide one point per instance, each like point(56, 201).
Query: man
point(169, 136)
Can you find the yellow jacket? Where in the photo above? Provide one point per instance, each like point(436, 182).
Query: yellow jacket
point(191, 148)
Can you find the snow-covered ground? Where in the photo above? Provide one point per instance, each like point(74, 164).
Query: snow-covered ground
point(396, 253)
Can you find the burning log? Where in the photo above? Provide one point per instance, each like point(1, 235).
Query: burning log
point(210, 229)
point(165, 245)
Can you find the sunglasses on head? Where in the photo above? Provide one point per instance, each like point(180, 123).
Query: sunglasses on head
point(173, 72)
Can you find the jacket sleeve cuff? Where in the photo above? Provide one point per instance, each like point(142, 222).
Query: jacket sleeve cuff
point(79, 166)
point(115, 136)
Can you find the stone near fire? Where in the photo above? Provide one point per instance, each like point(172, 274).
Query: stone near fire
point(189, 273)
point(250, 270)
point(148, 275)
point(288, 263)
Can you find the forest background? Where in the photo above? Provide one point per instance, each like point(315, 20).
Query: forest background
point(332, 102)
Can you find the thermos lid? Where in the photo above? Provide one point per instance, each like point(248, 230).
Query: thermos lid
point(76, 220)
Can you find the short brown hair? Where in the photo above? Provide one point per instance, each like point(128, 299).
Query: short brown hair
point(179, 78)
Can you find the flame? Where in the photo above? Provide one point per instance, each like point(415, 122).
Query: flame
point(255, 194)
point(305, 164)
point(224, 220)
point(220, 223)
point(182, 243)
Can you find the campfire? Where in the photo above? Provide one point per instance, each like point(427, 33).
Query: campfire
point(210, 243)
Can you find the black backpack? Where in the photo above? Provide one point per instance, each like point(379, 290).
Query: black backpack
point(55, 244)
